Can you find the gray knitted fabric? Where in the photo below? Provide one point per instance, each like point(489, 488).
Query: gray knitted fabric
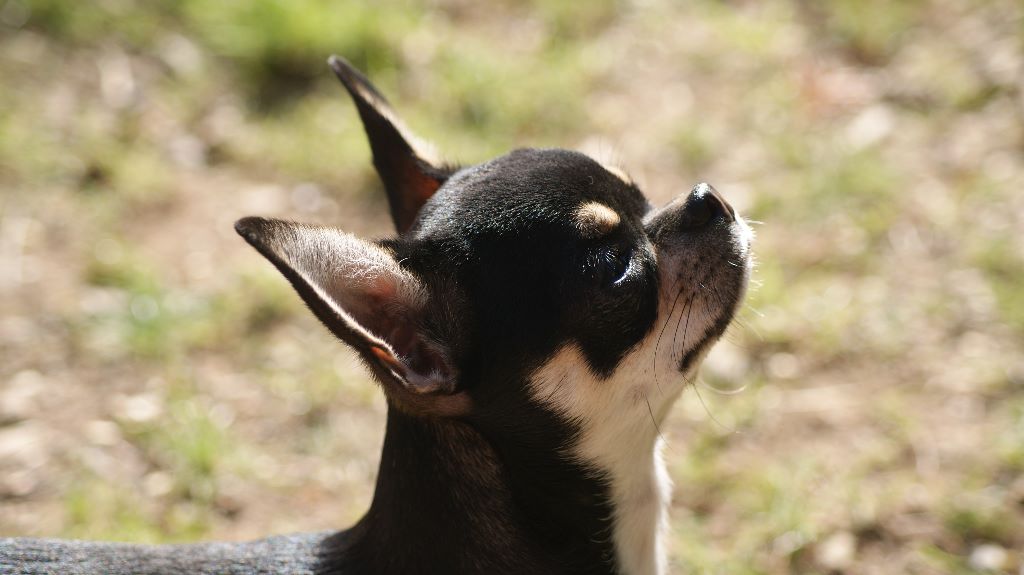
point(292, 555)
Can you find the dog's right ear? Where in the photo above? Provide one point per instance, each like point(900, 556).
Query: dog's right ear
point(360, 292)
point(406, 164)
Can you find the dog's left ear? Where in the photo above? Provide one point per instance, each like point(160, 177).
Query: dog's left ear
point(361, 293)
point(406, 164)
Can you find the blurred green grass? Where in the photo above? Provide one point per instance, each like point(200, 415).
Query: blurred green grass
point(174, 389)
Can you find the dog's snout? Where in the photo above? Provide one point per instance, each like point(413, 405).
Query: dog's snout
point(703, 206)
point(695, 211)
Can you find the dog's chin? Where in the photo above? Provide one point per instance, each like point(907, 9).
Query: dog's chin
point(712, 291)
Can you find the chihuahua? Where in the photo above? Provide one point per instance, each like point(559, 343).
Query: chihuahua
point(531, 325)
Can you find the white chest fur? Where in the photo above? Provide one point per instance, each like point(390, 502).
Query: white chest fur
point(619, 419)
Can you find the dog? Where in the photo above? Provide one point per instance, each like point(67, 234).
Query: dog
point(531, 325)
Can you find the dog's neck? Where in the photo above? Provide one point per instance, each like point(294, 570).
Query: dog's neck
point(448, 500)
point(440, 505)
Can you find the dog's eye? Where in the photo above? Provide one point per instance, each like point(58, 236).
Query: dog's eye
point(608, 264)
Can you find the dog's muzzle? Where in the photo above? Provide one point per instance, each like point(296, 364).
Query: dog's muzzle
point(702, 208)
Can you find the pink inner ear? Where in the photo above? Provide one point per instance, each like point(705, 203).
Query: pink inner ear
point(420, 358)
point(383, 290)
point(378, 311)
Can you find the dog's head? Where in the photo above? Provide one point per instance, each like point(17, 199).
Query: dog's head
point(535, 294)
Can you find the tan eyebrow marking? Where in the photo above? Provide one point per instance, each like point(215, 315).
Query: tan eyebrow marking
point(594, 219)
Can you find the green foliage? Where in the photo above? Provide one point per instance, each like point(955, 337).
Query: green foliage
point(98, 510)
point(1003, 266)
point(871, 30)
point(278, 47)
point(136, 23)
point(568, 21)
point(190, 444)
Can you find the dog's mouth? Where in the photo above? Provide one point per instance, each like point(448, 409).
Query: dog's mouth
point(704, 248)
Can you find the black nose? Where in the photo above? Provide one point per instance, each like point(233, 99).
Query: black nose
point(703, 206)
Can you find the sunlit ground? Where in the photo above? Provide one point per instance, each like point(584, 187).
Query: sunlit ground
point(160, 382)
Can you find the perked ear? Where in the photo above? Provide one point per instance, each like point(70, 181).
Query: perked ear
point(407, 165)
point(358, 290)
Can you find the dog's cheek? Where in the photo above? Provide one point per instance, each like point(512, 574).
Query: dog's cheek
point(690, 305)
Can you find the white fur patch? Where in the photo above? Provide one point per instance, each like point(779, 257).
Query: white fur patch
point(620, 416)
point(619, 437)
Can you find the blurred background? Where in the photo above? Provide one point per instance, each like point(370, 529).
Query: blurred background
point(160, 382)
